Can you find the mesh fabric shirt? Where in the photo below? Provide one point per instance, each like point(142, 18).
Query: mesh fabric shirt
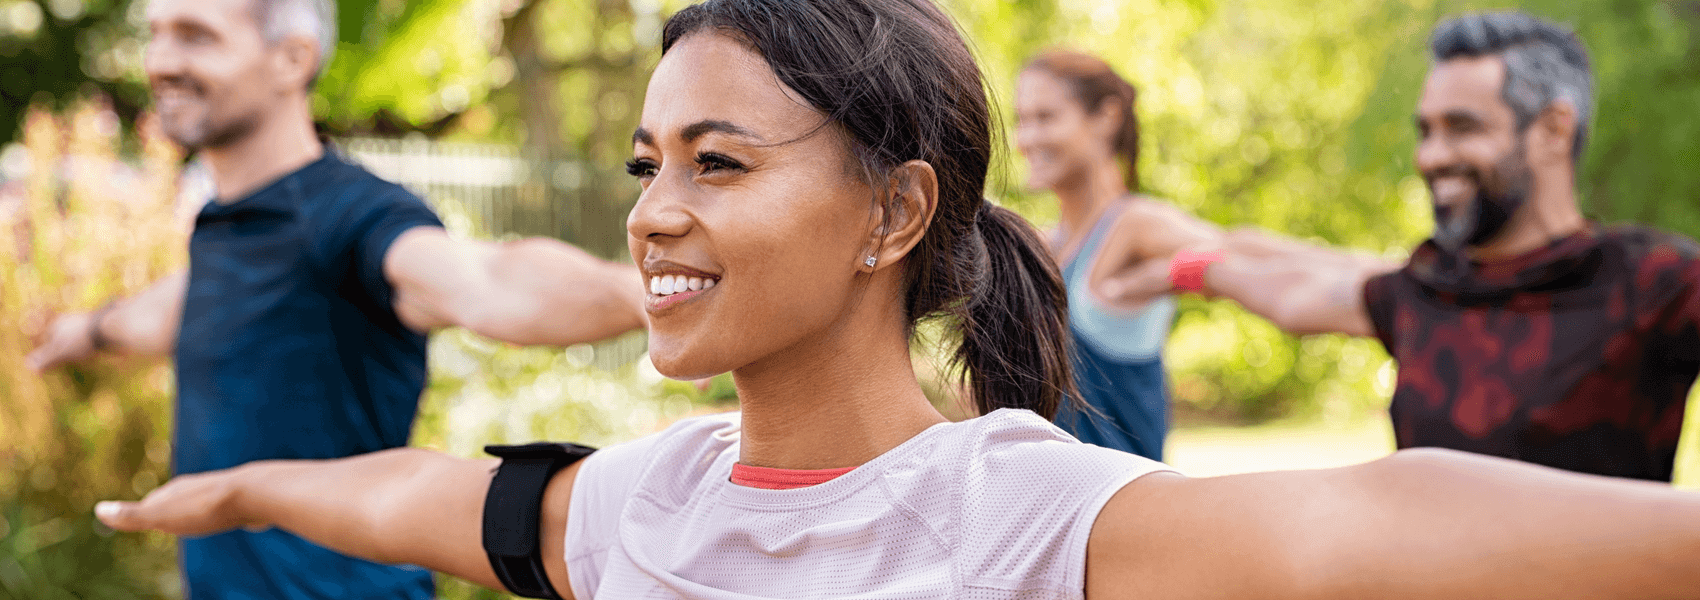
point(997, 507)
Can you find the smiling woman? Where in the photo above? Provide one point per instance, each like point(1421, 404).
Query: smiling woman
point(812, 172)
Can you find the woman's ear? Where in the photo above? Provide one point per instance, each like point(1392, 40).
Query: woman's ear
point(902, 220)
point(1106, 120)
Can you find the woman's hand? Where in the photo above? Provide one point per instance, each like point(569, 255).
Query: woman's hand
point(402, 505)
point(197, 504)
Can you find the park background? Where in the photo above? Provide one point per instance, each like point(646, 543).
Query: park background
point(512, 117)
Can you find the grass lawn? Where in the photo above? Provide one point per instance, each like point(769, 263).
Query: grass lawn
point(1216, 450)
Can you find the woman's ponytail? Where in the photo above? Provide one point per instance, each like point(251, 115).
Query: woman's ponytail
point(1014, 326)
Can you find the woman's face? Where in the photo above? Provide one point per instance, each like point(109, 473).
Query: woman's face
point(753, 222)
point(1053, 130)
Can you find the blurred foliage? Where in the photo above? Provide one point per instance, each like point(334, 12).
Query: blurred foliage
point(1293, 116)
point(82, 226)
point(58, 51)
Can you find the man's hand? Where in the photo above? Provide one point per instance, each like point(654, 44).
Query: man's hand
point(66, 340)
point(198, 504)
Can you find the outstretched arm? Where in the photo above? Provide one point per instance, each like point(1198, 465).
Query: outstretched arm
point(142, 324)
point(532, 291)
point(1301, 287)
point(396, 506)
point(1132, 266)
point(1417, 525)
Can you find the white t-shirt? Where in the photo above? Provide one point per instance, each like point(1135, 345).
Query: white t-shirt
point(998, 507)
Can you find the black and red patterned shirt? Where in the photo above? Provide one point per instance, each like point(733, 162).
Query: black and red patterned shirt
point(1578, 356)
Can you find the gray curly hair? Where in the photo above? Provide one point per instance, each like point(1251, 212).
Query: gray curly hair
point(1544, 62)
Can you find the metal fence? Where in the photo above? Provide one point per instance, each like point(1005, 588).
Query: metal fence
point(507, 193)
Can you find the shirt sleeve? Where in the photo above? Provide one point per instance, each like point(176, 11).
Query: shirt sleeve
point(398, 212)
point(613, 475)
point(606, 480)
point(1686, 328)
point(1029, 502)
point(1381, 302)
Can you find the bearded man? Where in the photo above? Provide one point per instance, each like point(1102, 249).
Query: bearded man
point(299, 328)
point(1521, 329)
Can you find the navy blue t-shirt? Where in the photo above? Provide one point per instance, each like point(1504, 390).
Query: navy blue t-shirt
point(290, 348)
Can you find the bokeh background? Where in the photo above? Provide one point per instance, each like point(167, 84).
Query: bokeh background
point(512, 117)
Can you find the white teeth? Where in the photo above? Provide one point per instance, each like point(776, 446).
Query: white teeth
point(667, 285)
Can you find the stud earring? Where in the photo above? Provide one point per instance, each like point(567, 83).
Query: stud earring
point(871, 261)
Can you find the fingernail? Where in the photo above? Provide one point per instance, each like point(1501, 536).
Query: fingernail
point(106, 510)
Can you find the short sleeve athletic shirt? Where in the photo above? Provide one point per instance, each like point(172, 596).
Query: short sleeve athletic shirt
point(290, 348)
point(998, 507)
point(1579, 355)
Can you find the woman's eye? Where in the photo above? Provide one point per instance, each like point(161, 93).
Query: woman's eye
point(710, 163)
point(641, 168)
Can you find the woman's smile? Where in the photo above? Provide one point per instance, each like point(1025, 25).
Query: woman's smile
point(673, 285)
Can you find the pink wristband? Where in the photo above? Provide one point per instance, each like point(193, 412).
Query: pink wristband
point(1186, 271)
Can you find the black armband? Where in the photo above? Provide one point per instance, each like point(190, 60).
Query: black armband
point(513, 513)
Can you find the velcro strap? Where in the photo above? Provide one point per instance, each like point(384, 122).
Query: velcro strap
point(513, 513)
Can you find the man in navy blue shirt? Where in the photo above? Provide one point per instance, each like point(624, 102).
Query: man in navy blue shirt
point(298, 329)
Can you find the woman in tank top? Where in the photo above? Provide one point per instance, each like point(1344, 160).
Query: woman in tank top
point(1076, 125)
point(811, 175)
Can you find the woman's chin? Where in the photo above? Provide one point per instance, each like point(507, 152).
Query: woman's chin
point(683, 365)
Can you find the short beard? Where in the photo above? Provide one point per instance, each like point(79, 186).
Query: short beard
point(208, 135)
point(1499, 196)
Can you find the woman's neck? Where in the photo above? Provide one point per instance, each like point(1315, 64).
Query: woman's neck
point(1081, 199)
point(836, 401)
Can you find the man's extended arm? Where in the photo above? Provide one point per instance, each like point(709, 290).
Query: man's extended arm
point(532, 291)
point(1301, 287)
point(142, 324)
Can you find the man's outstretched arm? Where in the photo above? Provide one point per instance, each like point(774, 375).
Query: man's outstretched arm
point(1300, 287)
point(142, 324)
point(531, 291)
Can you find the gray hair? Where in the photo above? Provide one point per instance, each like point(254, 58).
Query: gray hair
point(316, 19)
point(1544, 62)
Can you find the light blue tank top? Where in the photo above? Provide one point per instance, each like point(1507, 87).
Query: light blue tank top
point(1122, 336)
point(1118, 362)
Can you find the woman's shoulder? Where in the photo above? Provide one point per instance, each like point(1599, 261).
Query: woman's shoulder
point(699, 435)
point(686, 450)
point(1030, 498)
point(1013, 446)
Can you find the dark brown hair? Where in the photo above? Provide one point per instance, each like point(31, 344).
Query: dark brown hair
point(1094, 83)
point(898, 80)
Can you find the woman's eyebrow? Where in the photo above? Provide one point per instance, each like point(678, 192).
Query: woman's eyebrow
point(698, 129)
